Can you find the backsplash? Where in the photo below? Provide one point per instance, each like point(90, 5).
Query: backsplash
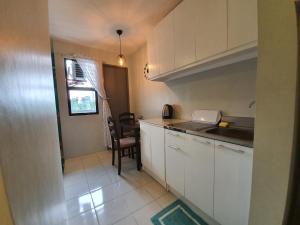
point(230, 89)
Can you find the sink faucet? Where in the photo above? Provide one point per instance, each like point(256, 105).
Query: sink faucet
point(251, 104)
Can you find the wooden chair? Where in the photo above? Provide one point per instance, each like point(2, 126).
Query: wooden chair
point(126, 118)
point(121, 144)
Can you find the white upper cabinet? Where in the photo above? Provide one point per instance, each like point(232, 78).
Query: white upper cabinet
point(165, 45)
point(199, 172)
point(152, 51)
point(184, 32)
point(242, 22)
point(232, 186)
point(211, 27)
point(200, 35)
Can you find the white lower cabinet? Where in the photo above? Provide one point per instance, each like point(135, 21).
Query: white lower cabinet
point(175, 165)
point(232, 185)
point(215, 176)
point(152, 150)
point(199, 172)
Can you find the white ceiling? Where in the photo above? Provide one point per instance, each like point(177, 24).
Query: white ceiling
point(93, 22)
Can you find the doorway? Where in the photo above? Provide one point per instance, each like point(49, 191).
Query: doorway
point(116, 87)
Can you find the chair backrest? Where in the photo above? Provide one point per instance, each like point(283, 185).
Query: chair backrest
point(127, 117)
point(112, 128)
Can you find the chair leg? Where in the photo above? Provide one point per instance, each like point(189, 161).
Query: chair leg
point(119, 161)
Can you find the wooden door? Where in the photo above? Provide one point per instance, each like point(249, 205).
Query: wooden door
point(116, 87)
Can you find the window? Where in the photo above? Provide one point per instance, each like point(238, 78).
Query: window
point(82, 97)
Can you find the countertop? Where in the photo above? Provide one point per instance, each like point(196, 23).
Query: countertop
point(165, 122)
point(162, 122)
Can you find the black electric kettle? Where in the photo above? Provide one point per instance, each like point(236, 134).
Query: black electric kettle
point(167, 112)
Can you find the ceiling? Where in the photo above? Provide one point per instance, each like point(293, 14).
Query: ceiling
point(93, 22)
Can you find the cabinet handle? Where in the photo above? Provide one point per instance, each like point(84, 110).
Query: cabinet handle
point(231, 149)
point(202, 142)
point(174, 147)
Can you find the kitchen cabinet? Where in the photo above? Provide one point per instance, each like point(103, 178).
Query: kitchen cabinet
point(199, 172)
point(146, 155)
point(184, 32)
point(175, 165)
point(211, 27)
point(152, 51)
point(232, 183)
point(152, 150)
point(200, 35)
point(242, 22)
point(165, 44)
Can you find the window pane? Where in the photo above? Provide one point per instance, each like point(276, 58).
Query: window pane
point(74, 75)
point(82, 101)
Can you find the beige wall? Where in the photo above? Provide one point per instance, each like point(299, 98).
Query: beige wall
point(4, 205)
point(29, 153)
point(274, 128)
point(80, 134)
point(229, 88)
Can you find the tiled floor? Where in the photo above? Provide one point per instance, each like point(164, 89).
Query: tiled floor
point(96, 195)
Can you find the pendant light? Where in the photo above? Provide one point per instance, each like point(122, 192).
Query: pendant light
point(121, 58)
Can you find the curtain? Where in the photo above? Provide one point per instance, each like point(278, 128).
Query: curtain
point(92, 73)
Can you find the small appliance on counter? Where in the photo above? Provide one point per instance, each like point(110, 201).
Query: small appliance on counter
point(167, 112)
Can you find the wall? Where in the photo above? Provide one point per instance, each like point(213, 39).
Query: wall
point(80, 134)
point(4, 205)
point(229, 88)
point(29, 153)
point(275, 114)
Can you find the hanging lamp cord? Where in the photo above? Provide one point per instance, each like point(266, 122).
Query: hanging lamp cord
point(120, 44)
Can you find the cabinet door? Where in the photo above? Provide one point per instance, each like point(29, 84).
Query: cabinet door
point(232, 189)
point(199, 172)
point(242, 22)
point(152, 51)
point(166, 44)
point(158, 152)
point(184, 32)
point(145, 132)
point(211, 28)
point(174, 146)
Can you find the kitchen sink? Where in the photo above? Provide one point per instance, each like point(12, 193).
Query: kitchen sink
point(243, 134)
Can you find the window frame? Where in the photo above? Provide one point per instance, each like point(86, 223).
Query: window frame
point(78, 89)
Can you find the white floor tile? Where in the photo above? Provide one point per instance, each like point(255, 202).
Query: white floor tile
point(91, 161)
point(76, 190)
point(143, 216)
point(97, 170)
point(137, 199)
point(166, 200)
point(155, 189)
point(79, 205)
point(87, 218)
point(127, 221)
point(96, 182)
point(74, 178)
point(113, 211)
point(110, 192)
